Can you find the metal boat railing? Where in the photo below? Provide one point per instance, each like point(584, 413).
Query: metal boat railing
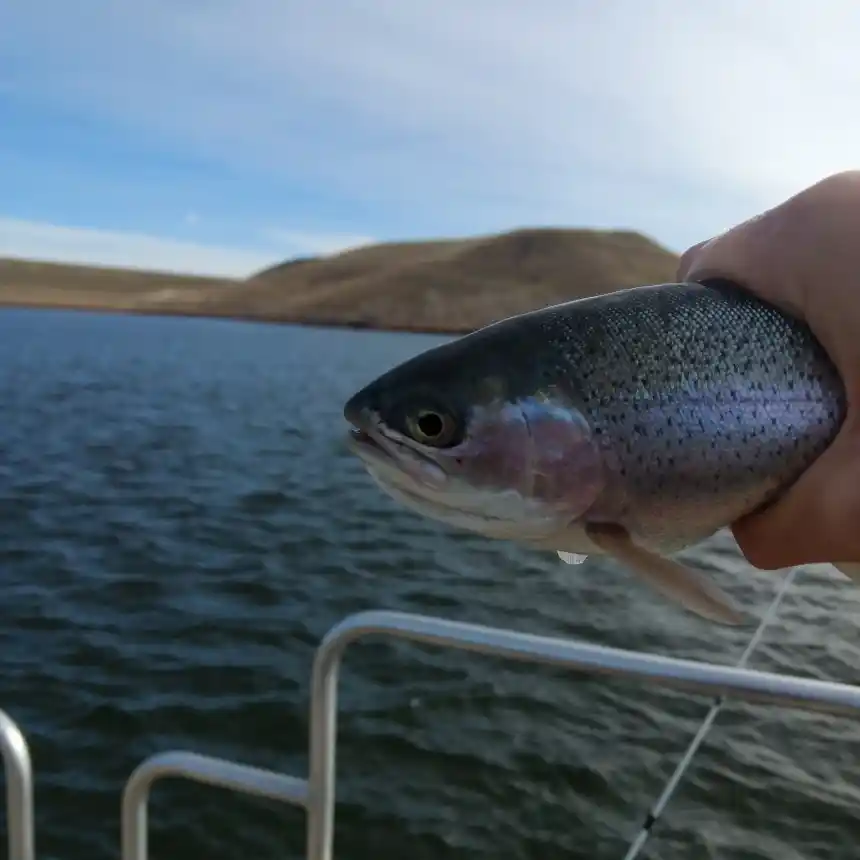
point(316, 794)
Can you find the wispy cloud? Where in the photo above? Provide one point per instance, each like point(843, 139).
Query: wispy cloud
point(52, 242)
point(439, 117)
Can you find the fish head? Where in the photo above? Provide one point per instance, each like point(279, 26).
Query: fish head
point(460, 436)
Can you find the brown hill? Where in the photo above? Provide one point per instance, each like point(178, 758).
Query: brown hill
point(34, 284)
point(451, 285)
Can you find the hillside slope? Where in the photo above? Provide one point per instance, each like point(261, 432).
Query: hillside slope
point(34, 284)
point(449, 285)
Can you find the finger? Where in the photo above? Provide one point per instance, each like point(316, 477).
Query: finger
point(817, 520)
point(688, 258)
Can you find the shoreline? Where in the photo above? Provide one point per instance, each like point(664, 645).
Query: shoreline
point(5, 304)
point(444, 288)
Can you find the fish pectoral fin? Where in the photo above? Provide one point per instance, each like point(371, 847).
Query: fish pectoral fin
point(851, 569)
point(674, 580)
point(571, 557)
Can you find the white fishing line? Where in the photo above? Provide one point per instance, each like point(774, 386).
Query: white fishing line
point(686, 760)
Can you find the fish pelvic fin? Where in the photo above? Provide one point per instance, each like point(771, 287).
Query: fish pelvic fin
point(851, 569)
point(675, 581)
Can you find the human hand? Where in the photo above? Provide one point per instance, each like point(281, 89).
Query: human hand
point(804, 256)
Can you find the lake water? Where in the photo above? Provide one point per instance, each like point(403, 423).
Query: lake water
point(181, 524)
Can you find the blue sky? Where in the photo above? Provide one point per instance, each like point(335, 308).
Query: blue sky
point(222, 135)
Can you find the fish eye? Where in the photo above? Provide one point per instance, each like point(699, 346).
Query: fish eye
point(430, 427)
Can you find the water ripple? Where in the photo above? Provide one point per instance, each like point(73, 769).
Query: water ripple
point(183, 525)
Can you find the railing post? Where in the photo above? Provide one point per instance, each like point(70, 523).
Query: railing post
point(323, 746)
point(199, 768)
point(695, 677)
point(19, 789)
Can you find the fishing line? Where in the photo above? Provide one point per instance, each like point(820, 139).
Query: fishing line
point(657, 809)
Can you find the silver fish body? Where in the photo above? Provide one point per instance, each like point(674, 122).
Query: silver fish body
point(707, 403)
point(664, 412)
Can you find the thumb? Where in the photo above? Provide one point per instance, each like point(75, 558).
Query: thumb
point(817, 520)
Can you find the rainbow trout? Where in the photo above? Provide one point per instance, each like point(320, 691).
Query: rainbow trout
point(632, 424)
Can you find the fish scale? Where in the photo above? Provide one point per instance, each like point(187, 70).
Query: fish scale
point(708, 401)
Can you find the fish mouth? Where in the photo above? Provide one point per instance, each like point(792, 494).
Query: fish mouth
point(369, 444)
point(373, 440)
point(362, 439)
point(389, 467)
point(389, 454)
